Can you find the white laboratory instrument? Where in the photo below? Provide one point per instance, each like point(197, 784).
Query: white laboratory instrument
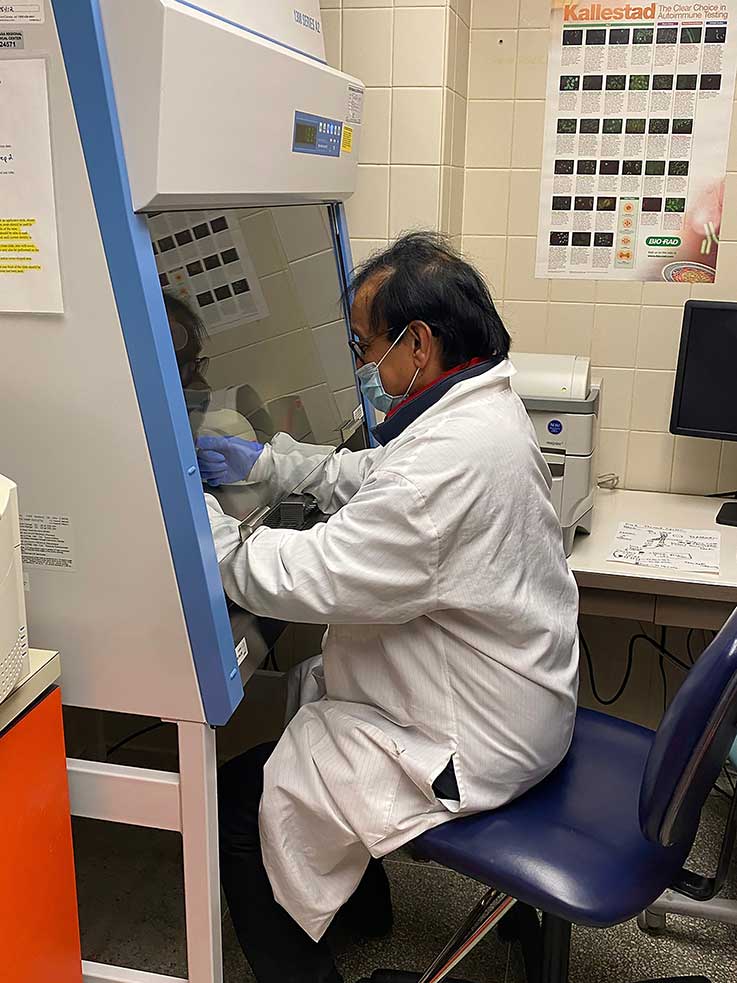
point(224, 119)
point(564, 406)
point(206, 148)
point(213, 115)
point(13, 633)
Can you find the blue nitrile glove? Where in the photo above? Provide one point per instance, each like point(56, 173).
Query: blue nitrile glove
point(224, 460)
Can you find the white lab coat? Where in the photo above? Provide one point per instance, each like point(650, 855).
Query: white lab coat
point(452, 635)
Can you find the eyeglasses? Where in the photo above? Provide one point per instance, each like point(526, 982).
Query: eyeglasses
point(198, 366)
point(359, 348)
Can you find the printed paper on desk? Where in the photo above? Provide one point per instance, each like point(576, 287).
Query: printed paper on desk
point(667, 548)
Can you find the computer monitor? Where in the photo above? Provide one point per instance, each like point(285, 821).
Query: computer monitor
point(705, 396)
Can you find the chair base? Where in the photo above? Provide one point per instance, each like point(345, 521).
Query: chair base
point(545, 945)
point(398, 976)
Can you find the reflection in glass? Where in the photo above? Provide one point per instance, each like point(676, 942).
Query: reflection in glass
point(253, 298)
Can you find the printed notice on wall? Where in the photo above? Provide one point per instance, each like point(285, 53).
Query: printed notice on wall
point(30, 278)
point(22, 13)
point(47, 542)
point(639, 106)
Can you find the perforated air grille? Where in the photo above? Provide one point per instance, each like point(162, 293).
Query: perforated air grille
point(11, 664)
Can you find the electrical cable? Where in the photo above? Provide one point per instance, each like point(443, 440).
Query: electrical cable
point(664, 653)
point(664, 677)
point(132, 737)
point(270, 658)
point(689, 639)
point(592, 678)
point(663, 674)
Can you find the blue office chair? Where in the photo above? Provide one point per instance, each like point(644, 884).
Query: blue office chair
point(602, 837)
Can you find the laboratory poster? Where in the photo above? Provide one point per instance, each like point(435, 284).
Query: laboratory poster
point(638, 114)
point(30, 277)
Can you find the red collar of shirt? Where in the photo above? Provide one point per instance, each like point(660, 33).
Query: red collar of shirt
point(445, 375)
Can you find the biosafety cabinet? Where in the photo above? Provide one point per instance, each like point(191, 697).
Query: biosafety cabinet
point(200, 156)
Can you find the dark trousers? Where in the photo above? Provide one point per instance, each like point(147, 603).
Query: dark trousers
point(277, 949)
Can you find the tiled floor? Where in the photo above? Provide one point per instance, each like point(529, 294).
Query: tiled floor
point(130, 889)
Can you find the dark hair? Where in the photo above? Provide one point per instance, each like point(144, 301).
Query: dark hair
point(180, 311)
point(422, 278)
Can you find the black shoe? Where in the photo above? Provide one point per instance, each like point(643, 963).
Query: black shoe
point(368, 912)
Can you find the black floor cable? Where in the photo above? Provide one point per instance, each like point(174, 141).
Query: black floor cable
point(664, 677)
point(271, 658)
point(664, 654)
point(132, 737)
point(689, 640)
point(600, 699)
point(663, 674)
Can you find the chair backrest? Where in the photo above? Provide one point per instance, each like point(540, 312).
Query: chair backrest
point(692, 744)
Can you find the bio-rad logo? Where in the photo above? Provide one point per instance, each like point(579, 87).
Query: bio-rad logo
point(600, 11)
point(668, 241)
point(305, 20)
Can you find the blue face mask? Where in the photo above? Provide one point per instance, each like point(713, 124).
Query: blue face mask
point(197, 400)
point(198, 403)
point(372, 387)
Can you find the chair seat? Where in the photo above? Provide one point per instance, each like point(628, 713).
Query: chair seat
point(572, 846)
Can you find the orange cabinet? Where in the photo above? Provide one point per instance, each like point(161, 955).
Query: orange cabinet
point(39, 926)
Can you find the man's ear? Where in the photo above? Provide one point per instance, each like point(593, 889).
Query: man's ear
point(420, 332)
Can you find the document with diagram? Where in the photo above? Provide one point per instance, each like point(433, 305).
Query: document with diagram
point(667, 548)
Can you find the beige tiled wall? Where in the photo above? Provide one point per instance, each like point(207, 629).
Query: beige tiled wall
point(455, 142)
point(630, 330)
point(413, 57)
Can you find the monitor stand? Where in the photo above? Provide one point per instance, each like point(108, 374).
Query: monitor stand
point(728, 514)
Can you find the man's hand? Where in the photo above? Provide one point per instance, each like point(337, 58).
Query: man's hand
point(225, 460)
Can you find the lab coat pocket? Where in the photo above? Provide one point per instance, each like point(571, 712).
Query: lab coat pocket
point(359, 765)
point(422, 765)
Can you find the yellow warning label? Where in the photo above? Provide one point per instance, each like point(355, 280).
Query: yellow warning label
point(347, 140)
point(13, 228)
point(15, 239)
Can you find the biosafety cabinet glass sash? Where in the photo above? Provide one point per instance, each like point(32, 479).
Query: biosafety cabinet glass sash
point(270, 356)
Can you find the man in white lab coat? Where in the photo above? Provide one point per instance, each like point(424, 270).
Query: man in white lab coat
point(451, 662)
